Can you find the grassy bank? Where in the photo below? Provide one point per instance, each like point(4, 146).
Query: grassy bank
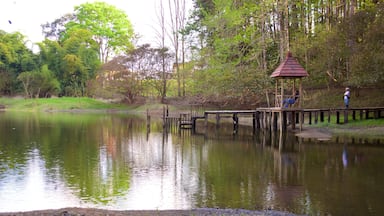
point(58, 104)
point(80, 104)
point(333, 98)
point(372, 128)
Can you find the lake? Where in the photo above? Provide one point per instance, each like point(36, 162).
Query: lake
point(113, 161)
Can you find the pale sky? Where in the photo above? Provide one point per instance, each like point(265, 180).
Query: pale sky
point(27, 15)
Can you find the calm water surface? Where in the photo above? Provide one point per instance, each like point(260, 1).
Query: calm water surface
point(111, 161)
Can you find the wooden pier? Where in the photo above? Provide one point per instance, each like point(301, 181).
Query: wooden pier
point(279, 119)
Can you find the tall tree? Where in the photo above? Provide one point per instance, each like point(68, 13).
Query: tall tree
point(39, 83)
point(131, 73)
point(110, 27)
point(15, 58)
point(74, 60)
point(161, 34)
point(177, 20)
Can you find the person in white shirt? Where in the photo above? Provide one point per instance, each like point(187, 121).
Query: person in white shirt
point(347, 96)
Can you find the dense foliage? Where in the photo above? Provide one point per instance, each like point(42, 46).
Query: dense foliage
point(242, 42)
point(234, 45)
point(70, 56)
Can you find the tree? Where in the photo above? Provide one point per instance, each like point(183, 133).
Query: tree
point(177, 16)
point(243, 41)
point(56, 29)
point(233, 60)
point(74, 60)
point(116, 78)
point(110, 27)
point(161, 35)
point(138, 72)
point(153, 66)
point(15, 58)
point(39, 83)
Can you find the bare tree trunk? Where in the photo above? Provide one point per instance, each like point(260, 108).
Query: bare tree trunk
point(264, 30)
point(177, 11)
point(182, 25)
point(282, 9)
point(286, 20)
point(174, 16)
point(161, 35)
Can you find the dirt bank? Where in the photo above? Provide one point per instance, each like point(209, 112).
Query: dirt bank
point(327, 133)
point(100, 212)
point(315, 133)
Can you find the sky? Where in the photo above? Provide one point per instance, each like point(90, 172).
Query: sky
point(26, 16)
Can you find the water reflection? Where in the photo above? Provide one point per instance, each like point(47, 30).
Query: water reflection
point(110, 161)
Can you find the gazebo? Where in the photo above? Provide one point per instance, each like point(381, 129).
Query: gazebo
point(288, 70)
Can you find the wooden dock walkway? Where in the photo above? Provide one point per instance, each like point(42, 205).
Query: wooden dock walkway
point(281, 118)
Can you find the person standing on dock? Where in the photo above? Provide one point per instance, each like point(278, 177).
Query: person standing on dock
point(347, 96)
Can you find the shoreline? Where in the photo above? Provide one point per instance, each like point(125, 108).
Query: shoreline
point(100, 212)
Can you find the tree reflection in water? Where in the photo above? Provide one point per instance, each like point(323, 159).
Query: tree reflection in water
point(110, 161)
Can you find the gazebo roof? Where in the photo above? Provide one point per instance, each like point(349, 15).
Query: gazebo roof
point(289, 68)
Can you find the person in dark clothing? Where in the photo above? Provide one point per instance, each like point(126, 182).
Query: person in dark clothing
point(291, 100)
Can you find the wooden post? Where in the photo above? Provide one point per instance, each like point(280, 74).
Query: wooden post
point(337, 117)
point(301, 119)
point(276, 93)
point(282, 92)
point(283, 121)
point(281, 141)
point(310, 117)
point(148, 122)
point(164, 117)
point(217, 120)
point(361, 114)
point(193, 124)
point(235, 123)
point(300, 93)
point(293, 119)
point(258, 122)
point(205, 119)
point(274, 121)
point(297, 117)
point(265, 119)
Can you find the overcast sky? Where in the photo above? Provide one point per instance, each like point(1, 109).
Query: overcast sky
point(27, 15)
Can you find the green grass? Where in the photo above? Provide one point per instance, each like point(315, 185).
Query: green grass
point(365, 123)
point(372, 128)
point(58, 104)
point(333, 98)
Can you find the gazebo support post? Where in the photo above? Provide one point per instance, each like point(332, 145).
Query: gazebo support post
point(282, 93)
point(300, 93)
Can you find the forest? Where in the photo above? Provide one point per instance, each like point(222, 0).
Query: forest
point(220, 50)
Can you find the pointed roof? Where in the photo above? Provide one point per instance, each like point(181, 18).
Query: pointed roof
point(289, 68)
